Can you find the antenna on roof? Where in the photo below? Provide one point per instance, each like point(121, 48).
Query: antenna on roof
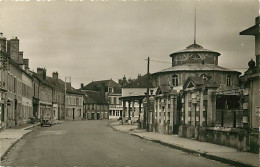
point(195, 24)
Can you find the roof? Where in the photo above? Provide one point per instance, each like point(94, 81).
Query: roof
point(44, 82)
point(94, 97)
point(165, 90)
point(198, 82)
point(141, 82)
point(254, 30)
point(194, 48)
point(196, 67)
point(60, 85)
point(103, 86)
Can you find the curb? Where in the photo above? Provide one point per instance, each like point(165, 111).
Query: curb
point(32, 126)
point(16, 141)
point(118, 130)
point(203, 154)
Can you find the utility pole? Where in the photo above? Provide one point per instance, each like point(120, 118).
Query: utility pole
point(65, 89)
point(146, 118)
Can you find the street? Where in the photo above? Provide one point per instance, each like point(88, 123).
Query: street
point(94, 143)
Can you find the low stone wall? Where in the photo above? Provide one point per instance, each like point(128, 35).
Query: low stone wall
point(236, 138)
point(187, 131)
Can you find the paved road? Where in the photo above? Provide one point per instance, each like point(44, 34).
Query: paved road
point(93, 143)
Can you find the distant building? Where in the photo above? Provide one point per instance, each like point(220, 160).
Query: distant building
point(57, 96)
point(133, 94)
point(96, 106)
point(74, 103)
point(111, 92)
point(44, 100)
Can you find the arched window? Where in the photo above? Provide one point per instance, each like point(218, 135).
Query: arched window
point(204, 77)
point(229, 80)
point(175, 80)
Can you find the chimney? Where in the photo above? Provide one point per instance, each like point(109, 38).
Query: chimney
point(2, 43)
point(20, 58)
point(26, 63)
point(139, 76)
point(13, 49)
point(81, 85)
point(55, 75)
point(41, 72)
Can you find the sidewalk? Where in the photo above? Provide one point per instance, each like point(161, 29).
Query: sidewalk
point(208, 150)
point(9, 137)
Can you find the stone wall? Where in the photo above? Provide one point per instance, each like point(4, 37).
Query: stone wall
point(236, 138)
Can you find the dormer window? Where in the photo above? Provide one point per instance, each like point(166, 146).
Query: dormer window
point(195, 56)
point(229, 80)
point(204, 77)
point(175, 80)
point(110, 90)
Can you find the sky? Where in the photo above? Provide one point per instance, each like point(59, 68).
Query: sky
point(92, 40)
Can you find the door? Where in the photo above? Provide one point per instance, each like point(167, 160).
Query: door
point(73, 113)
point(15, 111)
point(92, 116)
point(98, 116)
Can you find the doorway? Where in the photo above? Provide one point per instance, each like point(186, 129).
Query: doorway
point(73, 113)
point(92, 116)
point(98, 116)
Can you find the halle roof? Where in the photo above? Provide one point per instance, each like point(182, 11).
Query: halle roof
point(194, 48)
point(196, 67)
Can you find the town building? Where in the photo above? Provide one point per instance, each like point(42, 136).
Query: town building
point(16, 85)
point(251, 81)
point(44, 94)
point(111, 92)
point(133, 94)
point(199, 81)
point(74, 103)
point(96, 106)
point(58, 96)
point(251, 84)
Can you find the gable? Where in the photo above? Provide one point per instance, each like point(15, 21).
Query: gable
point(190, 85)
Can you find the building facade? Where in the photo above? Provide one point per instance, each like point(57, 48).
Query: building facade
point(74, 105)
point(112, 92)
point(96, 106)
point(251, 82)
point(16, 84)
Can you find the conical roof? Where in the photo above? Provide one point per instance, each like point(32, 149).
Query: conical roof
point(194, 48)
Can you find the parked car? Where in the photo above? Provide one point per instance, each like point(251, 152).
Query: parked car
point(46, 121)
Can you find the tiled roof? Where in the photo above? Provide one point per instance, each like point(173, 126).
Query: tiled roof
point(60, 85)
point(42, 81)
point(94, 97)
point(199, 82)
point(196, 67)
point(103, 86)
point(141, 83)
point(194, 48)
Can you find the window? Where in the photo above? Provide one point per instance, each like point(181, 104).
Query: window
point(228, 80)
point(77, 101)
point(175, 80)
point(204, 77)
point(110, 90)
point(195, 56)
point(115, 102)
